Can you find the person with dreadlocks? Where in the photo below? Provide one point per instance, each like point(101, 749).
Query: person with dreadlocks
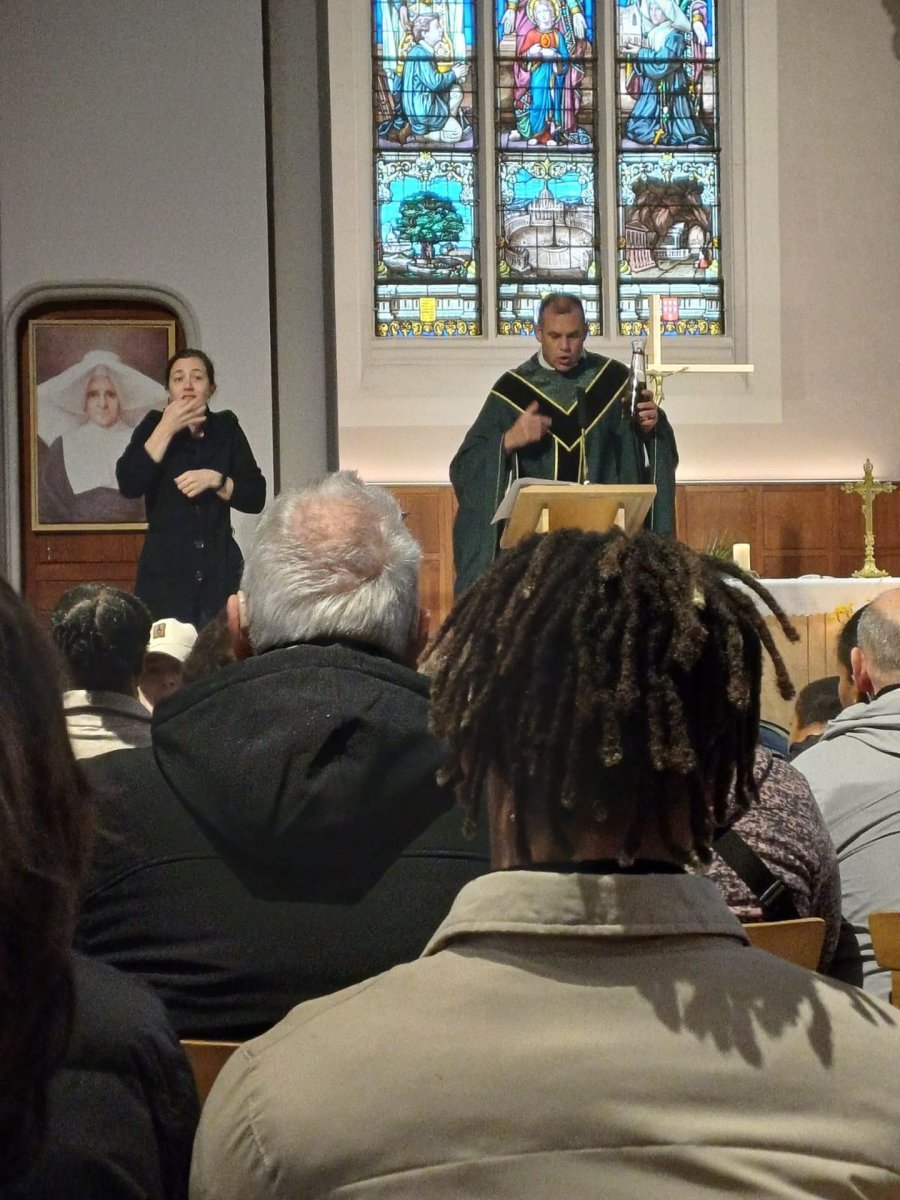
point(589, 1020)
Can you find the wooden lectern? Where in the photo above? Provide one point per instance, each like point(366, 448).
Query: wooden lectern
point(592, 506)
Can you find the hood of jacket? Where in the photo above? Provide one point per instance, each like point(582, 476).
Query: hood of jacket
point(310, 767)
point(876, 725)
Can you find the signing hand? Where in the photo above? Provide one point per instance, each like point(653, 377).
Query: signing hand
point(647, 413)
point(188, 412)
point(193, 483)
point(529, 427)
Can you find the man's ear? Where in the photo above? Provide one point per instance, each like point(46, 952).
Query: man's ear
point(237, 627)
point(859, 669)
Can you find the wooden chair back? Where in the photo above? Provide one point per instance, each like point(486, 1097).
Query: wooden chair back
point(207, 1059)
point(799, 941)
point(885, 930)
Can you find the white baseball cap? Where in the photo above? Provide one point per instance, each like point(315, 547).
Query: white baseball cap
point(175, 638)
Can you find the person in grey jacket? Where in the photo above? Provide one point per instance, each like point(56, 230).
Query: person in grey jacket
point(854, 772)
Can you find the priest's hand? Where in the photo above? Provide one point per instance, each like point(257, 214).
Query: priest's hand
point(529, 426)
point(647, 413)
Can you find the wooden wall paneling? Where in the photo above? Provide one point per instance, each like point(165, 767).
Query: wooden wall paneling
point(429, 517)
point(710, 511)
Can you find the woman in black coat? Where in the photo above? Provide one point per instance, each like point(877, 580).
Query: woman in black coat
point(192, 466)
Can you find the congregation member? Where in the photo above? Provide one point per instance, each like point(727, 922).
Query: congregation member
point(287, 835)
point(560, 416)
point(171, 641)
point(817, 704)
point(102, 634)
point(589, 1020)
point(853, 772)
point(776, 860)
point(847, 639)
point(96, 1097)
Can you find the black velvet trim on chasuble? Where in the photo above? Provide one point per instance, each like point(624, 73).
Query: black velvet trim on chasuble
point(568, 458)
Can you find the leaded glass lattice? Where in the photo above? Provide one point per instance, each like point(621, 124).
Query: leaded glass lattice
point(668, 226)
point(545, 70)
point(427, 267)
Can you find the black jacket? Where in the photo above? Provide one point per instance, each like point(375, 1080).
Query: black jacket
point(123, 1108)
point(303, 775)
point(190, 563)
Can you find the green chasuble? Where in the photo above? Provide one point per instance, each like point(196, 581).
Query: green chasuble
point(614, 452)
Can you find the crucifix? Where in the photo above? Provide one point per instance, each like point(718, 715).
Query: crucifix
point(868, 489)
point(658, 372)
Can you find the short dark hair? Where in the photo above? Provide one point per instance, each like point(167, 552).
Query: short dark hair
point(610, 679)
point(211, 651)
point(560, 302)
point(102, 633)
point(848, 638)
point(188, 352)
point(46, 829)
point(818, 702)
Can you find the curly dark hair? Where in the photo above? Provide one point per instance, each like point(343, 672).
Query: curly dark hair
point(46, 830)
point(102, 633)
point(607, 677)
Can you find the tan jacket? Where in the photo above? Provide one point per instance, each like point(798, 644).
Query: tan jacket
point(567, 1035)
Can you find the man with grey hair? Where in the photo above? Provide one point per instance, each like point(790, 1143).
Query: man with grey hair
point(291, 836)
point(854, 772)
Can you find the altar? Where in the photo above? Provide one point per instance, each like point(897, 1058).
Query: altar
point(817, 605)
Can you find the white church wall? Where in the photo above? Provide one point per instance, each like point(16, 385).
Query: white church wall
point(132, 144)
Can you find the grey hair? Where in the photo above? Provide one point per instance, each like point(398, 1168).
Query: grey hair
point(333, 559)
point(878, 636)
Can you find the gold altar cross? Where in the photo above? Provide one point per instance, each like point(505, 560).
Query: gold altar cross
point(868, 489)
point(658, 372)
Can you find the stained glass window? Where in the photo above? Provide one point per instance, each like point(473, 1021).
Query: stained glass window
point(427, 265)
point(667, 186)
point(546, 163)
point(545, 71)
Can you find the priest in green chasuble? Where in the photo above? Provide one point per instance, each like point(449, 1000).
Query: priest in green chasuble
point(531, 426)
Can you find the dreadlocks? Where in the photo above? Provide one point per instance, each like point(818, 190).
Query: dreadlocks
point(608, 677)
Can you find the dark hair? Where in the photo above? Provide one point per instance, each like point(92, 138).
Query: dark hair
point(560, 302)
point(818, 702)
point(46, 827)
point(211, 651)
point(102, 633)
point(607, 678)
point(188, 352)
point(848, 638)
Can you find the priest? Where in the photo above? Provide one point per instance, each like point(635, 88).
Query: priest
point(558, 416)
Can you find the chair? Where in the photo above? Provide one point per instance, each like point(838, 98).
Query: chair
point(885, 930)
point(207, 1059)
point(799, 941)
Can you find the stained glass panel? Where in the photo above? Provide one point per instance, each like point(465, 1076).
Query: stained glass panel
point(669, 237)
point(425, 134)
point(545, 70)
point(545, 75)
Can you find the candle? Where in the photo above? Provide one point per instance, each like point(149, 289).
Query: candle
point(740, 553)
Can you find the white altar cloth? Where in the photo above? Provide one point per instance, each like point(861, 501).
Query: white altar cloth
point(825, 593)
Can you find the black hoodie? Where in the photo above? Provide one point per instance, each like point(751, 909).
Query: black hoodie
point(303, 774)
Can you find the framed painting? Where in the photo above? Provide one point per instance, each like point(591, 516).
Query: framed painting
point(91, 383)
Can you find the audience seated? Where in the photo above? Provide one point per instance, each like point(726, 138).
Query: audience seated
point(304, 772)
point(817, 704)
point(102, 633)
point(853, 772)
point(589, 1020)
point(211, 651)
point(96, 1097)
point(170, 643)
point(785, 828)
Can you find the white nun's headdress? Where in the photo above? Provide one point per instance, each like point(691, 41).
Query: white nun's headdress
point(673, 14)
point(60, 400)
